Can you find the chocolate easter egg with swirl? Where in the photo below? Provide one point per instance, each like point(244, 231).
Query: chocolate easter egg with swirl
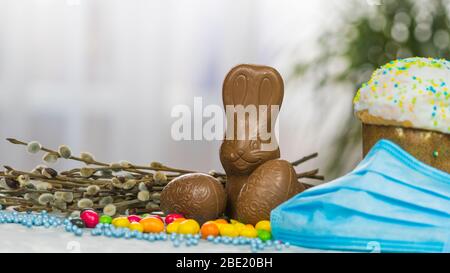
point(271, 184)
point(196, 196)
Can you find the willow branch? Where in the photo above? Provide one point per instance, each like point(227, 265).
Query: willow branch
point(304, 159)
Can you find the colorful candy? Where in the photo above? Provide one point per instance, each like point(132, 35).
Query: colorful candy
point(248, 231)
point(172, 227)
point(90, 218)
point(179, 220)
point(264, 235)
point(239, 226)
point(136, 226)
point(228, 230)
point(157, 217)
point(264, 225)
point(189, 226)
point(221, 221)
point(134, 218)
point(171, 217)
point(122, 228)
point(152, 225)
point(120, 222)
point(209, 229)
point(105, 219)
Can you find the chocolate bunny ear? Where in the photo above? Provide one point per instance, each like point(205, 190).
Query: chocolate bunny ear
point(253, 85)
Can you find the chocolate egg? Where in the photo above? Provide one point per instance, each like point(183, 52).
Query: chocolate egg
point(196, 196)
point(268, 186)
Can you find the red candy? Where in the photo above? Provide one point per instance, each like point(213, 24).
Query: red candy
point(90, 218)
point(134, 218)
point(171, 217)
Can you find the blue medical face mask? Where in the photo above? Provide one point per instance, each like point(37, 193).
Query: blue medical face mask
point(391, 202)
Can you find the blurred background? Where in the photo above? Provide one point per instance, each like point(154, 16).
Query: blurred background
point(103, 76)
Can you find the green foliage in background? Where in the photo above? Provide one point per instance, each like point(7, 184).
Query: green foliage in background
point(368, 37)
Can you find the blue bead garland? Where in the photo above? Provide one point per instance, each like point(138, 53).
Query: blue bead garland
point(43, 219)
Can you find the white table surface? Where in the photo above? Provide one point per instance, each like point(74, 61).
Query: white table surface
point(17, 238)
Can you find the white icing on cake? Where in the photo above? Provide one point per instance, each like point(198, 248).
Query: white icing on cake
point(413, 90)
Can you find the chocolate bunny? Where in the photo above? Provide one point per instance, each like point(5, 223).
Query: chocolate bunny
point(257, 180)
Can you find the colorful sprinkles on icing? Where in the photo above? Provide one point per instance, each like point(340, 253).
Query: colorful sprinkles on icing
point(411, 90)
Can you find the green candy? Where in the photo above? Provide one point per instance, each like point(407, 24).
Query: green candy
point(264, 235)
point(105, 219)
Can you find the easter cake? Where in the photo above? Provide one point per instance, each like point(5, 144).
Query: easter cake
point(407, 101)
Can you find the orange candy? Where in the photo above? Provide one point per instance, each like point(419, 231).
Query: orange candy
point(152, 225)
point(178, 220)
point(221, 221)
point(209, 229)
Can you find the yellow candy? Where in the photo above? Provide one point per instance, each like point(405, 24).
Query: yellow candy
point(264, 225)
point(172, 227)
point(249, 231)
point(228, 230)
point(136, 226)
point(239, 226)
point(189, 227)
point(120, 222)
point(219, 224)
point(234, 221)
